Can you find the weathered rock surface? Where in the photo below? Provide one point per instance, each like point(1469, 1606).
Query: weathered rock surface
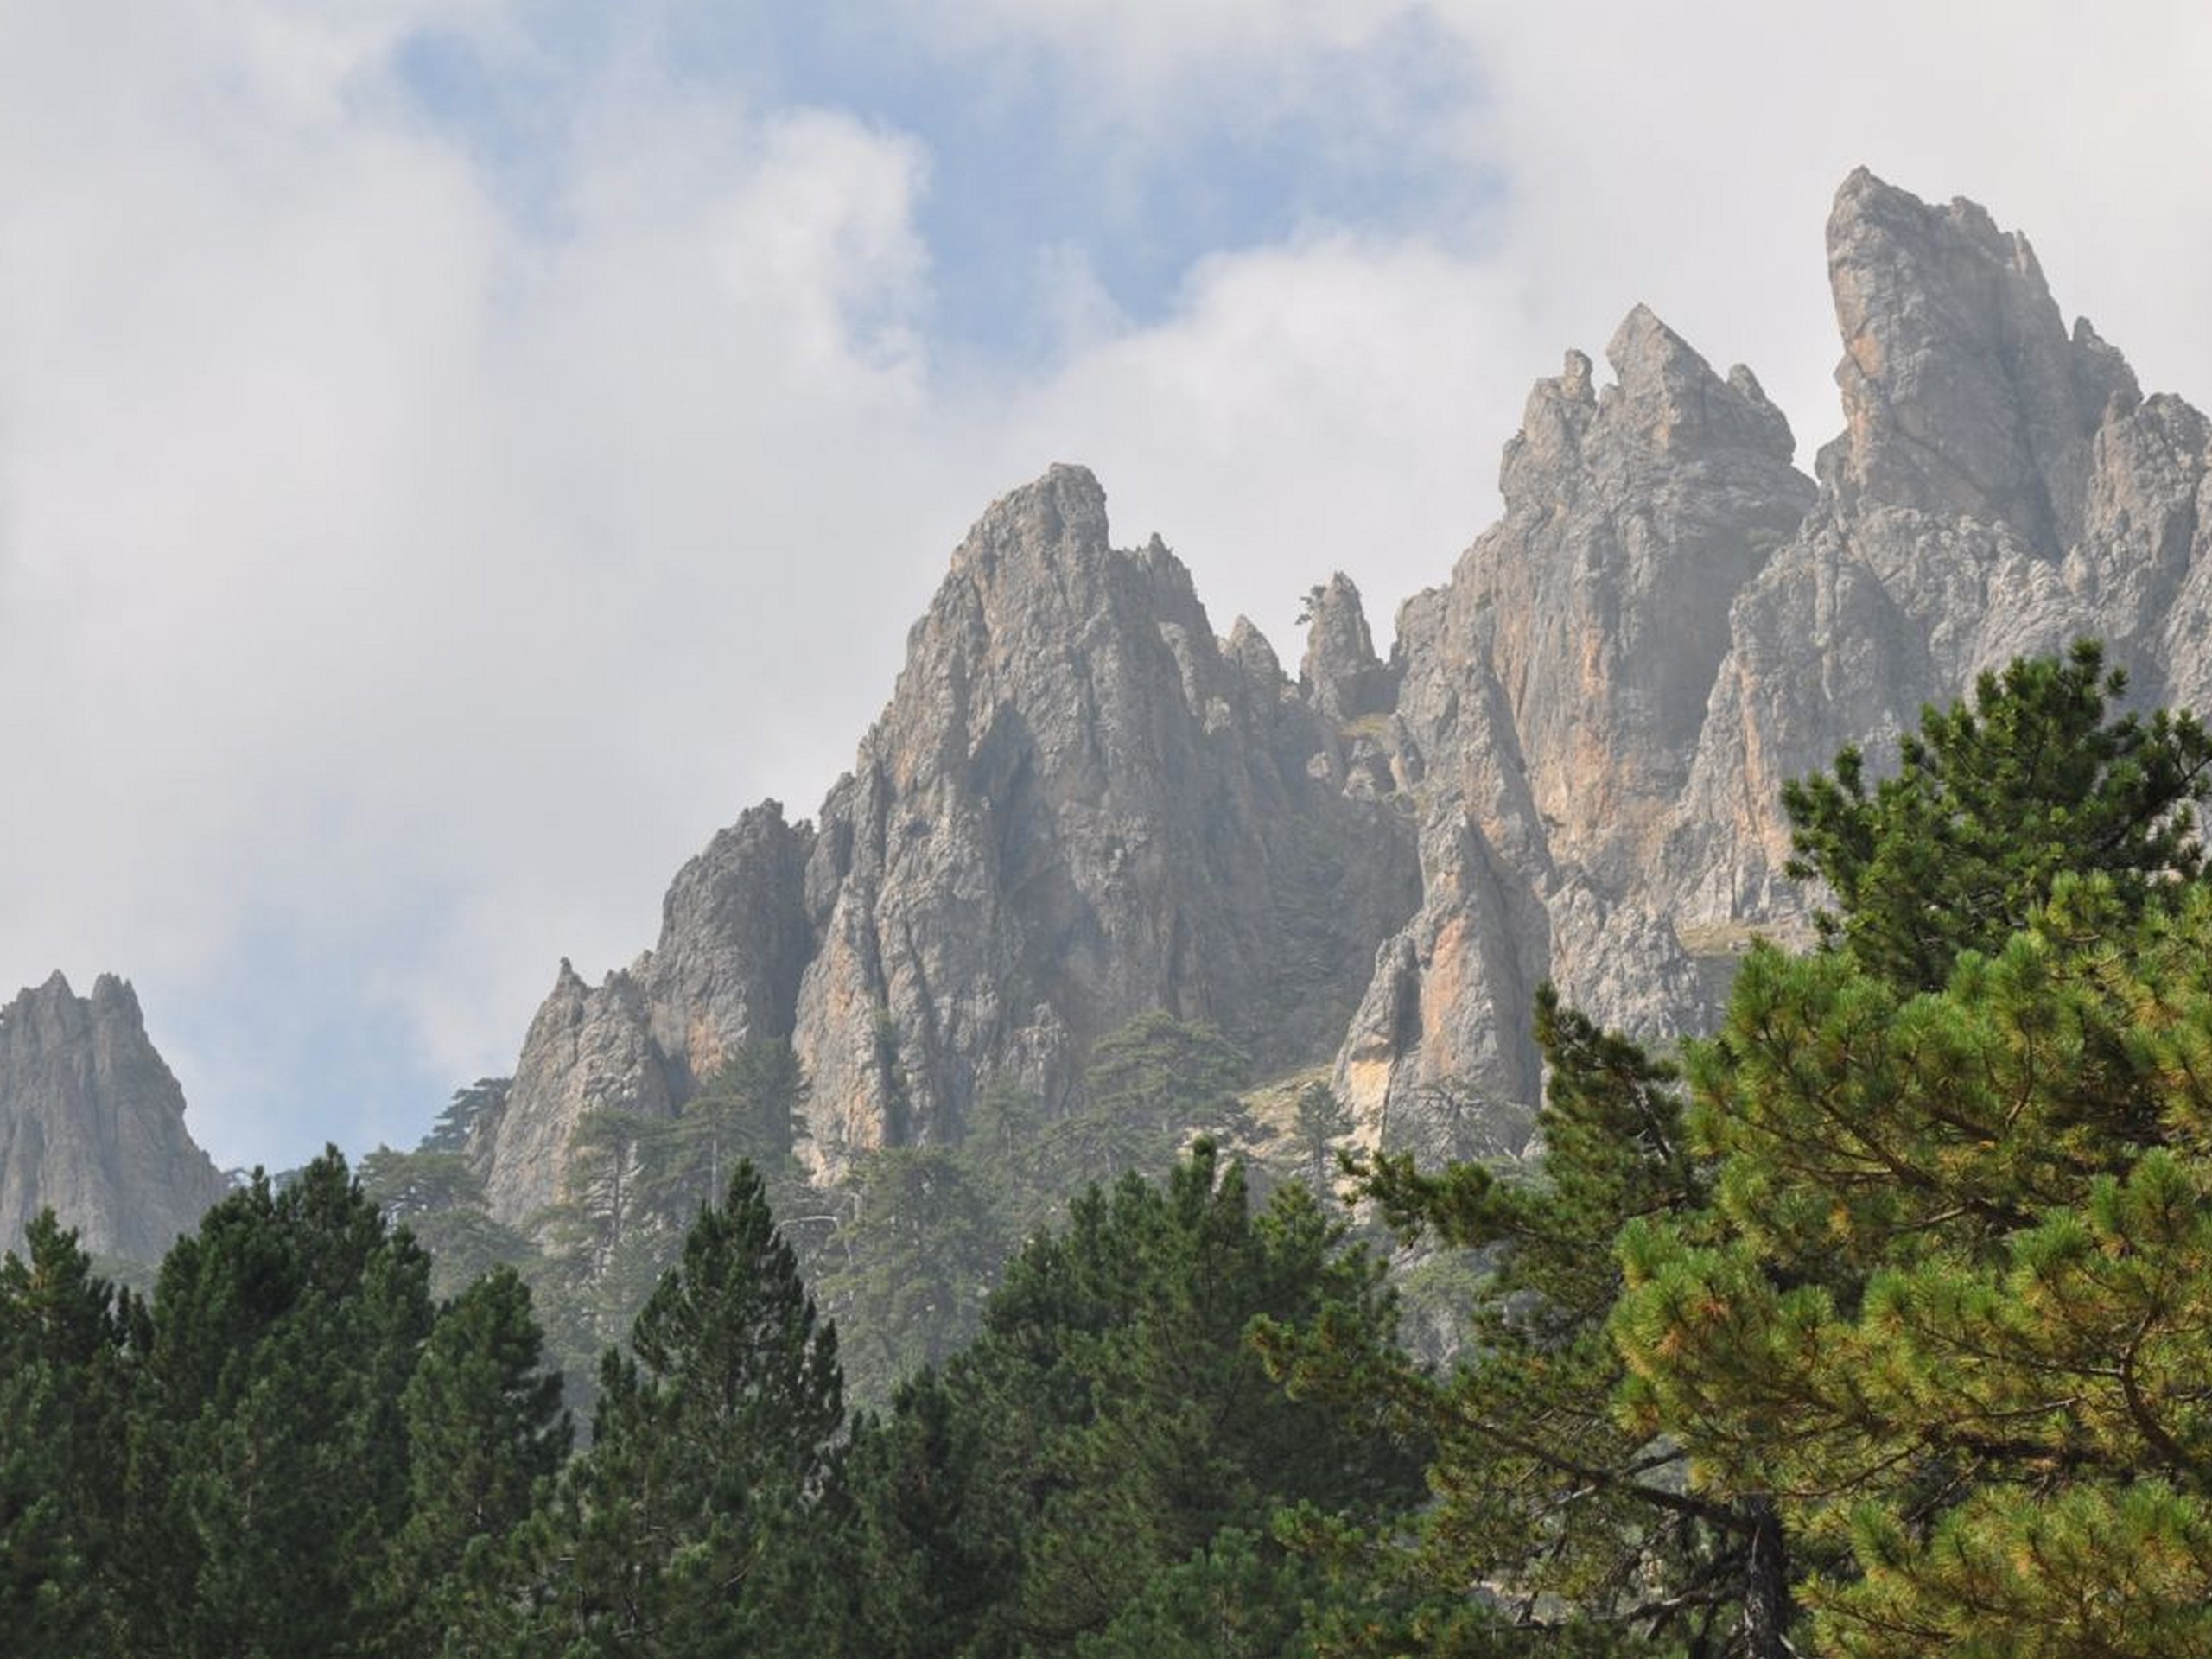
point(2000, 488)
point(1078, 806)
point(1668, 624)
point(1553, 695)
point(734, 940)
point(91, 1122)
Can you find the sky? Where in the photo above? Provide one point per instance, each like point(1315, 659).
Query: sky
point(455, 454)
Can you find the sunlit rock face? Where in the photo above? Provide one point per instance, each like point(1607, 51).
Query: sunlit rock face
point(1080, 804)
point(2001, 487)
point(91, 1122)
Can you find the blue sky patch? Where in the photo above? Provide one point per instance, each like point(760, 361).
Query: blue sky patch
point(1035, 163)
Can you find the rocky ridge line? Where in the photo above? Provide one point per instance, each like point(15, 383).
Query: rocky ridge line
point(1080, 804)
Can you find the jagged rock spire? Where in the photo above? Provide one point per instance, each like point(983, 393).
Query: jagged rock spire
point(91, 1122)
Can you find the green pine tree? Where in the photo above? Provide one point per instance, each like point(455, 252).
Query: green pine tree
point(1949, 1310)
point(268, 1447)
point(677, 1532)
point(907, 1274)
point(1990, 805)
point(1579, 1529)
point(1115, 1416)
point(70, 1348)
point(485, 1428)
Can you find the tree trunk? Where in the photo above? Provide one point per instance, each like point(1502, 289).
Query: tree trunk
point(1766, 1585)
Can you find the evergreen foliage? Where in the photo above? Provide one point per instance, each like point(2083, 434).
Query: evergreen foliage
point(1579, 1527)
point(436, 1194)
point(751, 1110)
point(1949, 1310)
point(673, 1534)
point(1883, 1328)
point(69, 1347)
point(1957, 1316)
point(1114, 1418)
point(485, 1429)
point(268, 1447)
point(909, 1268)
point(1989, 805)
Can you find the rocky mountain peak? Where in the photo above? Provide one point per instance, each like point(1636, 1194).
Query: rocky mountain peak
point(1963, 393)
point(1340, 672)
point(1080, 805)
point(1550, 706)
point(1058, 521)
point(1667, 395)
point(92, 1122)
point(1633, 517)
point(2000, 488)
point(1077, 807)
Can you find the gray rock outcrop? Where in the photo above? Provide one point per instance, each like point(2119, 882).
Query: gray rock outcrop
point(91, 1122)
point(1078, 806)
point(733, 941)
point(2000, 488)
point(1552, 700)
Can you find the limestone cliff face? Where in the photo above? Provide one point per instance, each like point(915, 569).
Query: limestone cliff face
point(2001, 487)
point(91, 1122)
point(1552, 699)
point(1669, 624)
point(1079, 805)
point(734, 940)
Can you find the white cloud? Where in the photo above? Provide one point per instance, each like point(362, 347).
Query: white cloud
point(1307, 408)
point(1685, 157)
point(1141, 47)
point(357, 546)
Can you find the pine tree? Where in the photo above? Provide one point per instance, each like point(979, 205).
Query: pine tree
point(269, 1459)
point(484, 1428)
point(1114, 1417)
point(1989, 805)
point(1581, 1528)
point(70, 1345)
point(712, 1445)
point(752, 1108)
point(907, 1272)
point(1949, 1311)
point(438, 1196)
point(1958, 1319)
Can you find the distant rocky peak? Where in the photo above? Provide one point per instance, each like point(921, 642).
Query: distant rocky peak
point(1058, 517)
point(1549, 446)
point(92, 1122)
point(1248, 648)
point(1668, 395)
point(1665, 405)
point(1963, 393)
point(1340, 672)
point(52, 1014)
